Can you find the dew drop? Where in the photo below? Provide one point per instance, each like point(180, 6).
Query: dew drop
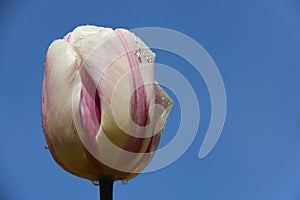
point(80, 37)
point(149, 59)
point(46, 147)
point(124, 182)
point(163, 98)
point(147, 55)
point(138, 54)
point(77, 45)
point(95, 183)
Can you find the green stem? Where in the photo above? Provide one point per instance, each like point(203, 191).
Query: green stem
point(106, 188)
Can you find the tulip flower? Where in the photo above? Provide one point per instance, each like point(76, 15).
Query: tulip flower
point(103, 113)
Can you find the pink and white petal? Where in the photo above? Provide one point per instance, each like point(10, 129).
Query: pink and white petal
point(61, 70)
point(61, 75)
point(125, 105)
point(105, 60)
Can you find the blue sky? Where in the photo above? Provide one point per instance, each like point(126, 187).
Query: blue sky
point(255, 45)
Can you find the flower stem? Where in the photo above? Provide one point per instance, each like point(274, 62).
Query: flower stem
point(106, 184)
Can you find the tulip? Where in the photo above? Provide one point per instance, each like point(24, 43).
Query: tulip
point(103, 113)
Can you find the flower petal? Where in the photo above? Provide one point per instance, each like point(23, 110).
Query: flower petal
point(61, 78)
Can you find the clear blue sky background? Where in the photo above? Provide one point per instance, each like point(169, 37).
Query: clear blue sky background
point(256, 45)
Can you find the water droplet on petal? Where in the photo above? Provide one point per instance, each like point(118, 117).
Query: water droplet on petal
point(124, 182)
point(138, 54)
point(95, 183)
point(80, 37)
point(149, 59)
point(77, 45)
point(163, 98)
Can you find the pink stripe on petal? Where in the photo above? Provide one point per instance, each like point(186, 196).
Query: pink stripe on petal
point(139, 103)
point(90, 109)
point(67, 38)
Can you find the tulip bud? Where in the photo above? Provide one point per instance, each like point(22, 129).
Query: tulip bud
point(102, 111)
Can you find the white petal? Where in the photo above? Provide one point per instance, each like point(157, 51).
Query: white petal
point(61, 77)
